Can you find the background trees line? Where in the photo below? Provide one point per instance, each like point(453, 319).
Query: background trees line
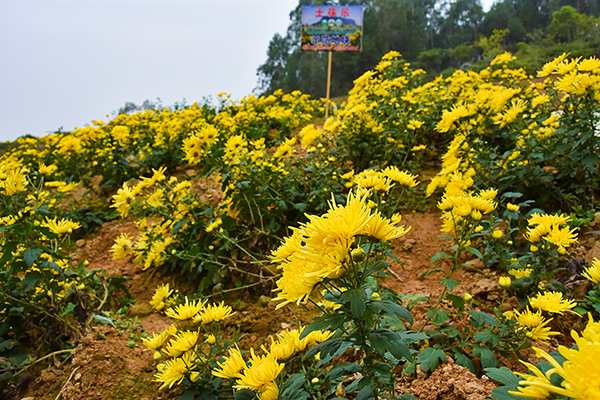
point(438, 36)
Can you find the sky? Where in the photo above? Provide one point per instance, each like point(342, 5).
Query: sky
point(66, 63)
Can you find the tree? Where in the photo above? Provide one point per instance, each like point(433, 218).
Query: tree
point(568, 25)
point(461, 24)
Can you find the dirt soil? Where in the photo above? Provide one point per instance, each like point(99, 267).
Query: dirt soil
point(110, 363)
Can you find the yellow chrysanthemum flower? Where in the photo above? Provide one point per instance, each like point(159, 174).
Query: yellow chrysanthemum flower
point(231, 366)
point(60, 227)
point(159, 297)
point(122, 247)
point(520, 272)
point(156, 341)
point(174, 371)
point(592, 272)
point(123, 200)
point(551, 302)
point(181, 343)
point(580, 371)
point(261, 373)
point(214, 312)
point(382, 228)
point(185, 311)
point(402, 177)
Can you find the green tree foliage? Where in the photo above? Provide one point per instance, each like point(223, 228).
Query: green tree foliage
point(436, 35)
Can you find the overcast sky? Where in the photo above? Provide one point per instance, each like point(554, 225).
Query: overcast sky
point(65, 63)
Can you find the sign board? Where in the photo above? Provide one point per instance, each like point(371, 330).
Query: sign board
point(337, 28)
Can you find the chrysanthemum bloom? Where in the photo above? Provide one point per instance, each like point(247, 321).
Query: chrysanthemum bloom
point(157, 176)
point(14, 181)
point(231, 366)
point(156, 341)
point(551, 302)
point(592, 272)
point(373, 179)
point(61, 227)
point(159, 297)
point(47, 169)
point(529, 319)
point(382, 228)
point(393, 173)
point(284, 347)
point(182, 342)
point(122, 247)
point(541, 333)
point(534, 386)
point(123, 200)
point(520, 272)
point(173, 371)
point(309, 133)
point(269, 392)
point(261, 373)
point(185, 311)
point(580, 371)
point(214, 312)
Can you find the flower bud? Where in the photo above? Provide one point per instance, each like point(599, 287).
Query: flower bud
point(505, 282)
point(314, 380)
point(358, 255)
point(467, 297)
point(476, 215)
point(497, 234)
point(211, 339)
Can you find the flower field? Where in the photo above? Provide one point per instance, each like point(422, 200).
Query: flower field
point(431, 239)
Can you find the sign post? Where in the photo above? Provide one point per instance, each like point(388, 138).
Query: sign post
point(331, 28)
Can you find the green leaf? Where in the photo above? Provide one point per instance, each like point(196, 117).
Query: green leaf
point(292, 388)
point(8, 249)
point(365, 393)
point(333, 321)
point(68, 309)
point(449, 283)
point(6, 344)
point(300, 207)
point(464, 361)
point(189, 394)
point(487, 336)
point(104, 320)
point(504, 376)
point(384, 339)
point(513, 195)
point(439, 256)
point(244, 394)
point(479, 319)
point(356, 298)
point(392, 308)
point(487, 356)
point(178, 226)
point(358, 384)
point(457, 301)
point(429, 272)
point(438, 316)
point(31, 279)
point(430, 358)
point(475, 252)
point(343, 370)
point(30, 256)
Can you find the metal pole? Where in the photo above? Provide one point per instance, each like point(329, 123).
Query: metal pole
point(328, 85)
